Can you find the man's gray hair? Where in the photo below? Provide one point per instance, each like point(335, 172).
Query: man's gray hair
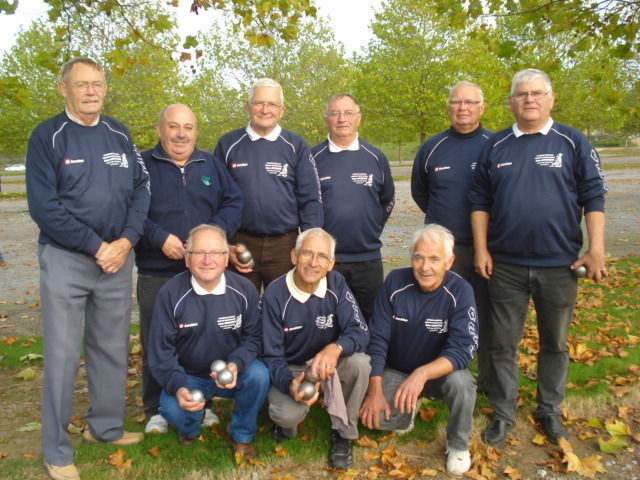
point(212, 228)
point(164, 110)
point(340, 96)
point(317, 232)
point(67, 66)
point(464, 83)
point(266, 82)
point(529, 75)
point(433, 232)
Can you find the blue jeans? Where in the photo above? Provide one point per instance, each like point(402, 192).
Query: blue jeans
point(553, 290)
point(249, 396)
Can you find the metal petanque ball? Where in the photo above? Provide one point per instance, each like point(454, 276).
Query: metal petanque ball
point(225, 377)
point(244, 257)
point(218, 365)
point(197, 396)
point(310, 377)
point(580, 272)
point(308, 389)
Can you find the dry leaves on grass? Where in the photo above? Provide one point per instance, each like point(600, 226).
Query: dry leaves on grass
point(119, 460)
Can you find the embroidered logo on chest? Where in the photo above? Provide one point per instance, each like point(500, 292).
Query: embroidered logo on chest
point(437, 325)
point(549, 160)
point(275, 168)
point(362, 179)
point(324, 321)
point(116, 160)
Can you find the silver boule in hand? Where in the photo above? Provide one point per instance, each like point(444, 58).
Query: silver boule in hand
point(225, 377)
point(218, 365)
point(311, 377)
point(580, 272)
point(308, 390)
point(244, 256)
point(197, 396)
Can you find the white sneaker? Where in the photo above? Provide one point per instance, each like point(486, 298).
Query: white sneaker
point(458, 462)
point(210, 418)
point(156, 424)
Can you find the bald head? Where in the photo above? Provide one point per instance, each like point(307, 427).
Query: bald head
point(177, 128)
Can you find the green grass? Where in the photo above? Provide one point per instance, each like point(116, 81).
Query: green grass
point(14, 195)
point(606, 320)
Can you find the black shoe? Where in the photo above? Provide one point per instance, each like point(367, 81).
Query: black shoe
point(278, 434)
point(340, 457)
point(552, 427)
point(496, 432)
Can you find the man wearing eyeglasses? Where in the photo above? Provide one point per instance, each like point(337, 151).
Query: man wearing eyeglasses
point(357, 196)
point(442, 174)
point(533, 183)
point(200, 316)
point(88, 192)
point(188, 187)
point(279, 182)
point(309, 316)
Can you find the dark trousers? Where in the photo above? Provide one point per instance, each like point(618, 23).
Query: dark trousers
point(463, 266)
point(364, 279)
point(271, 254)
point(147, 290)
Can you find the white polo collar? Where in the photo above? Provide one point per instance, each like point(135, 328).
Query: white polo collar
point(354, 147)
point(78, 121)
point(301, 296)
point(271, 136)
point(220, 289)
point(544, 130)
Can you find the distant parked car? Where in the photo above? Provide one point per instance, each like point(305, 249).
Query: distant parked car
point(15, 168)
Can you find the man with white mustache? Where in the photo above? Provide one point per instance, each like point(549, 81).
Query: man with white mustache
point(188, 188)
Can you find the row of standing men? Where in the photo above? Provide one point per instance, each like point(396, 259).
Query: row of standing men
point(90, 194)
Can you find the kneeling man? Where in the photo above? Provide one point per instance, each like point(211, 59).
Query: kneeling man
point(423, 337)
point(310, 316)
point(200, 316)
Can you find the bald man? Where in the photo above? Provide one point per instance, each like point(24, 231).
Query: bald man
point(188, 188)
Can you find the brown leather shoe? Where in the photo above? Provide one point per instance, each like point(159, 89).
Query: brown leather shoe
point(184, 441)
point(66, 472)
point(128, 438)
point(246, 449)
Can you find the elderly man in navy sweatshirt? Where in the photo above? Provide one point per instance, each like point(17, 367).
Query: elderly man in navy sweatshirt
point(310, 316)
point(440, 181)
point(534, 182)
point(279, 183)
point(423, 337)
point(88, 192)
point(357, 196)
point(200, 316)
point(188, 187)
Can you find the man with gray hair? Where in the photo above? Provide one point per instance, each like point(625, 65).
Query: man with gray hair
point(357, 196)
point(88, 192)
point(188, 187)
point(533, 183)
point(309, 317)
point(442, 174)
point(279, 182)
point(423, 338)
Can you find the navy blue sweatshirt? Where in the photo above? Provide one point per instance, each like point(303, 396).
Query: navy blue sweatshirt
point(536, 188)
point(358, 196)
point(295, 332)
point(278, 180)
point(410, 328)
point(189, 331)
point(441, 178)
point(201, 191)
point(85, 184)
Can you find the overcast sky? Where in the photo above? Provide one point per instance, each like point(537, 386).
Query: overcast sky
point(348, 18)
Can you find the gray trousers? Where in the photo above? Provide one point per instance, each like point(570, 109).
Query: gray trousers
point(554, 291)
point(354, 378)
point(72, 288)
point(457, 390)
point(463, 265)
point(147, 291)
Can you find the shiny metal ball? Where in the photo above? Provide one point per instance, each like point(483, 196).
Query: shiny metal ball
point(580, 272)
point(311, 377)
point(244, 256)
point(197, 396)
point(218, 365)
point(308, 389)
point(225, 377)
